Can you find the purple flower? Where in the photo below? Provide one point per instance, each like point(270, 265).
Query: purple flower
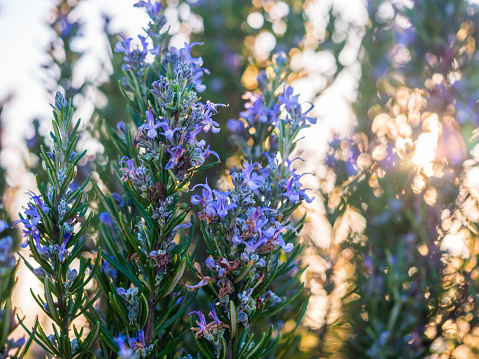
point(176, 153)
point(210, 263)
point(293, 107)
point(62, 250)
point(207, 195)
point(202, 324)
point(123, 46)
point(258, 218)
point(221, 205)
point(134, 59)
point(235, 126)
point(150, 126)
point(294, 192)
point(207, 112)
point(290, 101)
point(33, 218)
point(252, 180)
point(105, 218)
point(7, 260)
point(124, 352)
point(127, 172)
point(176, 56)
point(153, 10)
point(168, 131)
point(254, 243)
point(19, 343)
point(178, 226)
point(138, 342)
point(256, 111)
point(213, 315)
point(3, 225)
point(199, 156)
point(273, 234)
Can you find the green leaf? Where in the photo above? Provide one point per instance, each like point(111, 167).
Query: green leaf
point(5, 322)
point(119, 306)
point(224, 348)
point(143, 311)
point(128, 272)
point(51, 304)
point(258, 349)
point(251, 354)
point(172, 319)
point(233, 320)
point(244, 272)
point(176, 278)
point(88, 342)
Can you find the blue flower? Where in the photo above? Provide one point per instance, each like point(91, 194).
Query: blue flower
point(7, 260)
point(62, 250)
point(127, 172)
point(168, 132)
point(273, 234)
point(176, 153)
point(124, 352)
point(3, 225)
point(134, 59)
point(105, 218)
point(199, 156)
point(33, 218)
point(293, 107)
point(150, 126)
point(138, 342)
point(256, 111)
point(207, 112)
point(210, 263)
point(252, 180)
point(202, 326)
point(153, 10)
point(221, 205)
point(207, 195)
point(294, 191)
point(236, 126)
point(176, 56)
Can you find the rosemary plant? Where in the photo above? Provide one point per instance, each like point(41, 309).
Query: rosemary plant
point(55, 223)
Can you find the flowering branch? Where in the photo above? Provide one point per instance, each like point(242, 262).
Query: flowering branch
point(247, 229)
point(54, 227)
point(143, 230)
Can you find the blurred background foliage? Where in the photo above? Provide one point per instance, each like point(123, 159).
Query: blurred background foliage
point(393, 261)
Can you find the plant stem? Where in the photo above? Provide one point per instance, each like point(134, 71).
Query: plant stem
point(151, 318)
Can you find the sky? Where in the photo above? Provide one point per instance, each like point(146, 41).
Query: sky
point(24, 36)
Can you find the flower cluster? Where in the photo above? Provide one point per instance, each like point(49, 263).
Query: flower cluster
point(185, 66)
point(33, 218)
point(134, 58)
point(174, 140)
point(212, 331)
point(272, 123)
point(233, 216)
